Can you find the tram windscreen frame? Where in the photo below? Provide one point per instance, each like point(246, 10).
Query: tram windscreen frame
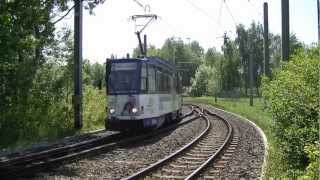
point(123, 78)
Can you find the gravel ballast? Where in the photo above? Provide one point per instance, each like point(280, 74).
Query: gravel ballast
point(126, 160)
point(248, 159)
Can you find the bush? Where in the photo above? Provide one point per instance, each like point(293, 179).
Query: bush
point(293, 97)
point(313, 151)
point(94, 103)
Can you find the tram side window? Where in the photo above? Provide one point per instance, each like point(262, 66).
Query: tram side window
point(151, 79)
point(170, 85)
point(176, 79)
point(144, 79)
point(179, 84)
point(167, 83)
point(163, 81)
point(158, 80)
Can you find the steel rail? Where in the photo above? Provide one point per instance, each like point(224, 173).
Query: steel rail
point(217, 153)
point(171, 156)
point(197, 171)
point(68, 148)
point(19, 164)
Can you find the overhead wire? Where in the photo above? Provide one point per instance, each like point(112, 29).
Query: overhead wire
point(227, 7)
point(255, 8)
point(218, 24)
point(201, 10)
point(219, 14)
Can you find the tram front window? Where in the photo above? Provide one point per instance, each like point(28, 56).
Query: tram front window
point(123, 78)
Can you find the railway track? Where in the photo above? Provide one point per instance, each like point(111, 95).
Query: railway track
point(192, 160)
point(31, 163)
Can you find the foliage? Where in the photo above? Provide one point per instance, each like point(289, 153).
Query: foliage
point(36, 71)
point(313, 152)
point(187, 57)
point(294, 104)
point(229, 66)
point(94, 74)
point(204, 78)
point(250, 43)
point(94, 103)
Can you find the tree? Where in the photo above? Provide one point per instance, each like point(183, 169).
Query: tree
point(243, 45)
point(212, 57)
point(230, 66)
point(97, 73)
point(35, 67)
point(250, 44)
point(275, 50)
point(181, 54)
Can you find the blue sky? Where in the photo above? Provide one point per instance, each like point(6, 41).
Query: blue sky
point(110, 31)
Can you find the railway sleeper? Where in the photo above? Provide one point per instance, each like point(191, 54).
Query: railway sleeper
point(207, 146)
point(201, 151)
point(188, 166)
point(176, 171)
point(194, 158)
point(210, 177)
point(209, 143)
point(168, 177)
point(198, 155)
point(189, 162)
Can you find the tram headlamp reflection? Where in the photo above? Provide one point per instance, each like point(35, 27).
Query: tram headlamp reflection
point(134, 110)
point(111, 110)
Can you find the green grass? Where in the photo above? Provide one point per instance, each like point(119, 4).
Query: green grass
point(260, 116)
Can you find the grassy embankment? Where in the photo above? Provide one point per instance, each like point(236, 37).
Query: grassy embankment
point(259, 115)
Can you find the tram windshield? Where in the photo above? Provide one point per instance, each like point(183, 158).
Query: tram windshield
point(123, 78)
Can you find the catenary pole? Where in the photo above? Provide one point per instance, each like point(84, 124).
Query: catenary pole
point(251, 76)
point(318, 6)
point(77, 99)
point(266, 40)
point(285, 29)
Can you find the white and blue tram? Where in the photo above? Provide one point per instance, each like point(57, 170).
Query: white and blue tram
point(142, 93)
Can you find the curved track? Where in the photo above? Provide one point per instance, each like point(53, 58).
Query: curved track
point(192, 159)
point(36, 161)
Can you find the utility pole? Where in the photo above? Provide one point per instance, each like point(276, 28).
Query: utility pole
point(251, 76)
point(266, 40)
point(174, 55)
point(77, 98)
point(318, 6)
point(285, 29)
point(225, 41)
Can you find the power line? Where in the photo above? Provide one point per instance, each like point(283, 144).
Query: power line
point(219, 15)
point(227, 7)
point(255, 7)
point(139, 3)
point(201, 10)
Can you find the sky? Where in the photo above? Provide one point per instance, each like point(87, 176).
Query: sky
point(110, 30)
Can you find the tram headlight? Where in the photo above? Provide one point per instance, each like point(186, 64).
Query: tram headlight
point(134, 110)
point(111, 110)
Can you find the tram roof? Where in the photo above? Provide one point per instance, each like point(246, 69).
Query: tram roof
point(150, 60)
